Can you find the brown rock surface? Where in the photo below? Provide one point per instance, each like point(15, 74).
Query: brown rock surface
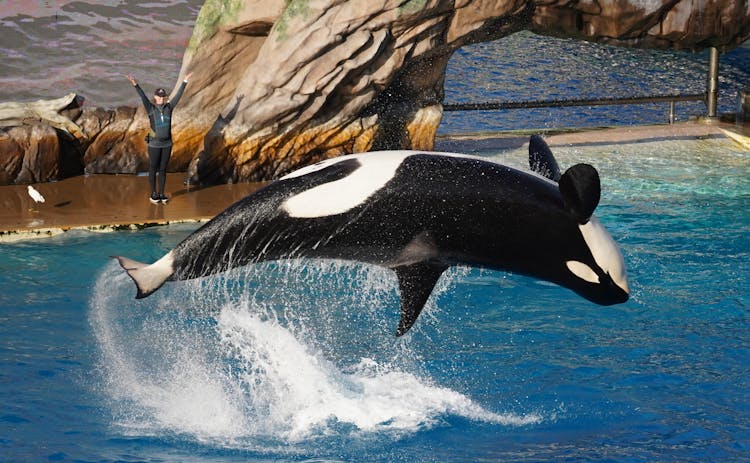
point(679, 24)
point(37, 139)
point(29, 154)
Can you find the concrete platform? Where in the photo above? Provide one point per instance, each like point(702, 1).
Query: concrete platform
point(108, 202)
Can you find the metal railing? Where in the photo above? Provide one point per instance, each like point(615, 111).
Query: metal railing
point(494, 106)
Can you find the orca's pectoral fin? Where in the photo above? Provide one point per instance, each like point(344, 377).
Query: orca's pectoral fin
point(541, 159)
point(415, 283)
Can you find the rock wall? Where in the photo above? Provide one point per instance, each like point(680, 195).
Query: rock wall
point(278, 84)
point(339, 76)
point(29, 154)
point(677, 24)
point(39, 142)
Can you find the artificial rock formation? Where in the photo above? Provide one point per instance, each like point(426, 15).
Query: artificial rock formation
point(341, 76)
point(29, 154)
point(60, 142)
point(39, 141)
point(278, 84)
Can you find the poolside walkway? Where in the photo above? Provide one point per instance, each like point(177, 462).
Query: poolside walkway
point(109, 202)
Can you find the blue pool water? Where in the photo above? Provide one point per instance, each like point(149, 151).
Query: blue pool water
point(298, 361)
point(529, 67)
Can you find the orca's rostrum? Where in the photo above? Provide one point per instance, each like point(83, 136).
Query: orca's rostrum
point(416, 213)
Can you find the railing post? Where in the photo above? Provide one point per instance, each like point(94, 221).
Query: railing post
point(671, 111)
point(712, 88)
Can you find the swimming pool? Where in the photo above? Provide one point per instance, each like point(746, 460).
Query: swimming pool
point(298, 361)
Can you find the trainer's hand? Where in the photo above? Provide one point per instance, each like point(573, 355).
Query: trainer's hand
point(132, 80)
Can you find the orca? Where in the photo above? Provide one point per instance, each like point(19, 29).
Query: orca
point(417, 213)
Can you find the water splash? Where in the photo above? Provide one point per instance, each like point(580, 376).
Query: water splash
point(159, 369)
point(274, 353)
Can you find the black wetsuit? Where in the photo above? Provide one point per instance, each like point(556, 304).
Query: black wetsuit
point(160, 137)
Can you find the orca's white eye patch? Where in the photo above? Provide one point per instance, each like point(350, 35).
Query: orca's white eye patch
point(606, 253)
point(582, 271)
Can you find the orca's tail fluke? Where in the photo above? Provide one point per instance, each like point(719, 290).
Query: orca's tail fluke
point(147, 278)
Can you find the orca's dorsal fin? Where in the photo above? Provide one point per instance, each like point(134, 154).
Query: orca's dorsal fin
point(580, 188)
point(541, 159)
point(415, 283)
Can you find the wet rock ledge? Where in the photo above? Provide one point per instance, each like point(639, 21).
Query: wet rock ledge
point(278, 84)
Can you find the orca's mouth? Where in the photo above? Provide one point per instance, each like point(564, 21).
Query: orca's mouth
point(619, 296)
point(610, 293)
point(605, 292)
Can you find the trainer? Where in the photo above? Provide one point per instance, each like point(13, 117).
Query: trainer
point(159, 137)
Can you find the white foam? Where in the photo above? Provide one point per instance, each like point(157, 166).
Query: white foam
point(303, 394)
point(180, 391)
point(253, 375)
